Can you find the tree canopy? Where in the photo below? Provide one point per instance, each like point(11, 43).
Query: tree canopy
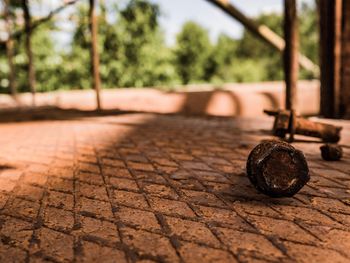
point(133, 51)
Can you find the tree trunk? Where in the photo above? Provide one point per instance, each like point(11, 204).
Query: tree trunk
point(9, 51)
point(291, 51)
point(95, 59)
point(28, 47)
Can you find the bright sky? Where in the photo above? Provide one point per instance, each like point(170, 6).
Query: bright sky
point(176, 12)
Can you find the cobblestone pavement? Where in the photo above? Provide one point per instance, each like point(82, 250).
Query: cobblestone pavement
point(144, 188)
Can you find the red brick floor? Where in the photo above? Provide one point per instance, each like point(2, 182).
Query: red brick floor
point(145, 188)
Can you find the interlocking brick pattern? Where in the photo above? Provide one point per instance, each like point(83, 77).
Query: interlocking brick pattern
point(145, 188)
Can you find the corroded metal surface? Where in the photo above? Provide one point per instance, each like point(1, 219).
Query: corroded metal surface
point(327, 132)
point(288, 123)
point(331, 152)
point(277, 169)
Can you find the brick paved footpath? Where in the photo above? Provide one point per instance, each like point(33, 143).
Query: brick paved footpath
point(145, 188)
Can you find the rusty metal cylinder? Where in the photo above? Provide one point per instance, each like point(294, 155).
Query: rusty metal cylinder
point(326, 132)
point(286, 122)
point(277, 169)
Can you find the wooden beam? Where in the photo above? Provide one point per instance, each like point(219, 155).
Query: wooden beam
point(263, 32)
point(290, 56)
point(95, 58)
point(330, 56)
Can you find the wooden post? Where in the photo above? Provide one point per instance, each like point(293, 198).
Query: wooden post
point(330, 56)
point(345, 62)
point(291, 64)
point(9, 51)
point(95, 59)
point(28, 48)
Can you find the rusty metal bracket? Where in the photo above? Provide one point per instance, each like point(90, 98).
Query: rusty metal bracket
point(287, 122)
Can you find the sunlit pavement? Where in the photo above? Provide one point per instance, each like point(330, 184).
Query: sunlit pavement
point(144, 188)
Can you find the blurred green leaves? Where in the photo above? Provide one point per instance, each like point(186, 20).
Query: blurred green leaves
point(133, 52)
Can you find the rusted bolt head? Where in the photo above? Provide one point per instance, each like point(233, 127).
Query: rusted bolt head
point(277, 169)
point(331, 152)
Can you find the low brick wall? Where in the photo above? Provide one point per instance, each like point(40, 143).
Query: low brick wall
point(248, 99)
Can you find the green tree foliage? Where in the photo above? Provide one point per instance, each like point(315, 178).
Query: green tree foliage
point(145, 56)
point(222, 57)
point(309, 36)
point(192, 53)
point(269, 64)
point(230, 66)
point(48, 62)
point(133, 51)
point(76, 72)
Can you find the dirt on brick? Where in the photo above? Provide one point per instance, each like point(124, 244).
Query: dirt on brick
point(134, 187)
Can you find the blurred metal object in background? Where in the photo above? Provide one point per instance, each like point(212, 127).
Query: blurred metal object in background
point(286, 122)
point(331, 152)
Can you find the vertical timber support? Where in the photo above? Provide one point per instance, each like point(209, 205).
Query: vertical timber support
point(345, 67)
point(95, 59)
point(291, 53)
point(330, 56)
